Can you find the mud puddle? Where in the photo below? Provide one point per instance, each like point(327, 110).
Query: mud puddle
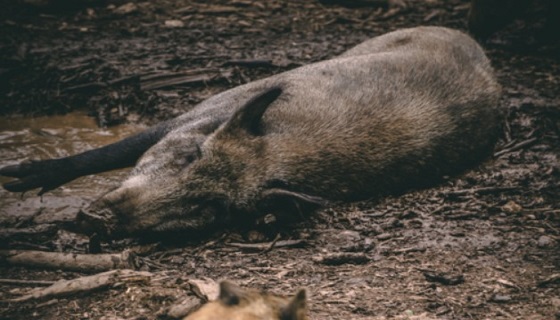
point(24, 138)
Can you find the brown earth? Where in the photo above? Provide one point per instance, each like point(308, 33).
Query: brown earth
point(484, 245)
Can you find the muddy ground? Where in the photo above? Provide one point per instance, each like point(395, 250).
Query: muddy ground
point(484, 245)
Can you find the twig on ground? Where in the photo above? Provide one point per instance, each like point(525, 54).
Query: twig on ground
point(155, 81)
point(516, 147)
point(411, 249)
point(338, 258)
point(268, 245)
point(443, 278)
point(18, 282)
point(461, 215)
point(69, 261)
point(165, 80)
point(480, 191)
point(38, 233)
point(250, 63)
point(272, 244)
point(209, 244)
point(555, 278)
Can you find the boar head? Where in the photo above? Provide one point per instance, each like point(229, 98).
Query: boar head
point(224, 180)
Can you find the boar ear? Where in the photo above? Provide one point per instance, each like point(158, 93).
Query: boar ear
point(248, 117)
point(296, 309)
point(230, 293)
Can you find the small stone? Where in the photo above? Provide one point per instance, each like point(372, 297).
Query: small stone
point(350, 235)
point(177, 260)
point(511, 207)
point(174, 23)
point(384, 236)
point(126, 8)
point(544, 241)
point(56, 133)
point(409, 214)
point(184, 308)
point(207, 289)
point(369, 244)
point(501, 298)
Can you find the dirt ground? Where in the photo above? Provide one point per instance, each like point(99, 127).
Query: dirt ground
point(484, 245)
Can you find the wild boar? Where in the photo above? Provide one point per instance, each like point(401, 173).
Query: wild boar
point(236, 303)
point(395, 112)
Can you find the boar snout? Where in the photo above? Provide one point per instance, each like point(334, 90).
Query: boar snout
point(101, 223)
point(130, 211)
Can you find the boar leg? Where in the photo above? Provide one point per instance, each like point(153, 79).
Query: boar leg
point(52, 173)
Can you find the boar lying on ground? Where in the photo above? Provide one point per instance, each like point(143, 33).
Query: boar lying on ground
point(489, 16)
point(397, 111)
point(235, 303)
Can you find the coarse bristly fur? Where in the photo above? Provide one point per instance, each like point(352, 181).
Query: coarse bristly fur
point(236, 303)
point(398, 111)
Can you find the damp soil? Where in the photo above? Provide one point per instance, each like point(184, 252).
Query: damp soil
point(482, 245)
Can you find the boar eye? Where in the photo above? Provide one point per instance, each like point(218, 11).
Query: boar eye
point(191, 158)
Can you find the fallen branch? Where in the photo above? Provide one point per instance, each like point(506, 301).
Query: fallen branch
point(17, 282)
point(443, 278)
point(208, 9)
point(87, 284)
point(164, 80)
point(411, 249)
point(250, 63)
point(155, 81)
point(356, 3)
point(86, 87)
point(37, 233)
point(554, 278)
point(480, 191)
point(183, 308)
point(461, 215)
point(268, 245)
point(335, 259)
point(516, 147)
point(68, 261)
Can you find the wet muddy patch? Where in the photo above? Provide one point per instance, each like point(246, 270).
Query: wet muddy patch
point(28, 138)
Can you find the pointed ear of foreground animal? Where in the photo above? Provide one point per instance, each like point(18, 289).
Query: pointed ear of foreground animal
point(297, 308)
point(248, 117)
point(230, 294)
